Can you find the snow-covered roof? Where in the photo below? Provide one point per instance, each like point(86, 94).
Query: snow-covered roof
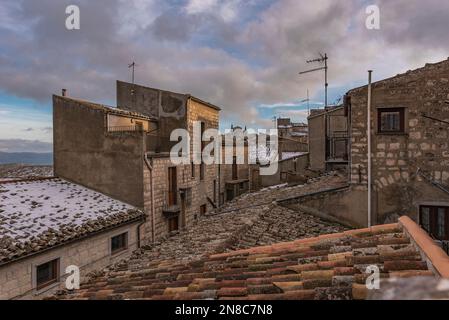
point(38, 214)
point(298, 134)
point(290, 155)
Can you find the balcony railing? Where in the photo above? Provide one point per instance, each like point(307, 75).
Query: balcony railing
point(125, 128)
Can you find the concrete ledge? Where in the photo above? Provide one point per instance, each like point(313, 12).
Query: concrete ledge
point(296, 199)
point(326, 217)
point(434, 254)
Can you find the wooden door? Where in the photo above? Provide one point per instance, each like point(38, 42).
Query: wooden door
point(172, 186)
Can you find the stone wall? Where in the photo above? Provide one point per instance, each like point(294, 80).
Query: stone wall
point(293, 170)
point(17, 279)
point(396, 158)
point(197, 191)
point(341, 205)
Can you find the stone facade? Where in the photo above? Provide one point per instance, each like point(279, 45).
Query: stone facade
point(196, 193)
point(18, 278)
point(407, 165)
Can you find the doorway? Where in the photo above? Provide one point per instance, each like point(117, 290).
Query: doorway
point(172, 187)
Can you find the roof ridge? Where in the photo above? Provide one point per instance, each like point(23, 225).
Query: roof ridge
point(32, 179)
point(280, 245)
point(434, 254)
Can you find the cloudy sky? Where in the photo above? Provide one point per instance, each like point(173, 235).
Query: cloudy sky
point(243, 55)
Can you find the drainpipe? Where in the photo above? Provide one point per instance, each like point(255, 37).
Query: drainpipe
point(368, 133)
point(138, 234)
point(150, 167)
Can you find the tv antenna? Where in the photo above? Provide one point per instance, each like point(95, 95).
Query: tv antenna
point(308, 101)
point(321, 59)
point(132, 65)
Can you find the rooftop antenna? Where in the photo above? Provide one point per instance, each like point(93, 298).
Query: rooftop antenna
point(307, 100)
point(321, 59)
point(132, 65)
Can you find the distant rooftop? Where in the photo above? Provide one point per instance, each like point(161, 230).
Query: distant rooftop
point(37, 214)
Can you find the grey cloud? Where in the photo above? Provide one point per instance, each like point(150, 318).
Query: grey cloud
point(174, 25)
point(241, 64)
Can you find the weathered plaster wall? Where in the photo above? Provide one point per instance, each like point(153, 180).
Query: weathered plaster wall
point(169, 108)
point(85, 153)
point(317, 143)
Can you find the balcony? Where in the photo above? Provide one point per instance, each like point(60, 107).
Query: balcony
point(171, 206)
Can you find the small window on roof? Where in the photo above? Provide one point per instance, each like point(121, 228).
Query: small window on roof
point(47, 274)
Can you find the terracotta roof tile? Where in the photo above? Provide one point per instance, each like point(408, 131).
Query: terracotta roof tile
point(324, 267)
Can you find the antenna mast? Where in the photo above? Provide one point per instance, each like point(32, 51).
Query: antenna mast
point(321, 59)
point(132, 65)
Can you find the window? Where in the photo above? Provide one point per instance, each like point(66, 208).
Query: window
point(203, 210)
point(425, 218)
point(202, 170)
point(435, 220)
point(192, 168)
point(172, 187)
point(47, 273)
point(119, 243)
point(441, 223)
point(203, 145)
point(391, 120)
point(215, 189)
point(235, 175)
point(139, 126)
point(173, 224)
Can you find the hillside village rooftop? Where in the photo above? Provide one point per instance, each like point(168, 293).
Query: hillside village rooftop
point(331, 266)
point(39, 214)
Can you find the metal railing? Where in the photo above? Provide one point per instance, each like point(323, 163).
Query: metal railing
point(131, 128)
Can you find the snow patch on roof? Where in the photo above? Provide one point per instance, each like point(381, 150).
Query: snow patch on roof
point(54, 210)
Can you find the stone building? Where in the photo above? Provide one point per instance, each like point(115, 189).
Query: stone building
point(293, 137)
point(409, 141)
point(409, 152)
point(50, 224)
point(124, 152)
point(234, 178)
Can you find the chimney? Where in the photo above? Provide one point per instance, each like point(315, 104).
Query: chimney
point(64, 92)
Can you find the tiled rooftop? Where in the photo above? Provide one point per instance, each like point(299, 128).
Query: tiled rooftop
point(325, 267)
point(37, 214)
point(10, 172)
point(249, 220)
